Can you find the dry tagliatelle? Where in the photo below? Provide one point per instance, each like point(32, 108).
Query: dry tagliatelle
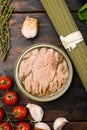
point(64, 24)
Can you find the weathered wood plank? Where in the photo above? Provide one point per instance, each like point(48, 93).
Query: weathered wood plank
point(73, 103)
point(75, 126)
point(19, 43)
point(75, 5)
point(72, 126)
point(46, 34)
point(68, 126)
point(35, 5)
point(27, 6)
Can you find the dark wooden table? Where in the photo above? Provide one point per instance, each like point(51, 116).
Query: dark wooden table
point(73, 104)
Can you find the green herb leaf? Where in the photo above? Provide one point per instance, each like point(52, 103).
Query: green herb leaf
point(82, 13)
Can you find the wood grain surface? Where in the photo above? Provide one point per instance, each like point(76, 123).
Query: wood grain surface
point(73, 104)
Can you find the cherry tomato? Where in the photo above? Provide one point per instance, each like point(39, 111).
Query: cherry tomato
point(23, 126)
point(10, 98)
point(1, 113)
point(5, 82)
point(19, 112)
point(5, 126)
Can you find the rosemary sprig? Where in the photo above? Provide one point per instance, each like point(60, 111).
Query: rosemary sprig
point(5, 13)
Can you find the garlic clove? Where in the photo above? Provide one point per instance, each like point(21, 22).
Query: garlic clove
point(59, 123)
point(36, 111)
point(30, 27)
point(41, 126)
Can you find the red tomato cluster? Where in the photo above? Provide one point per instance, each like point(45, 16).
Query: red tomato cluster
point(10, 98)
point(20, 126)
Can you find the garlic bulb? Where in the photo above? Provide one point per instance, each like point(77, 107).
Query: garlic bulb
point(59, 123)
point(36, 111)
point(41, 126)
point(30, 27)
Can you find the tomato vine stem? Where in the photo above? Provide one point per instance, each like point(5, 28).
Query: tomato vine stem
point(8, 119)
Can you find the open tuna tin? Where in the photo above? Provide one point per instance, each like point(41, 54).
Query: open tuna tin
point(43, 72)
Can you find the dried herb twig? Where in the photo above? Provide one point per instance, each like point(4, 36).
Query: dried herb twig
point(5, 13)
